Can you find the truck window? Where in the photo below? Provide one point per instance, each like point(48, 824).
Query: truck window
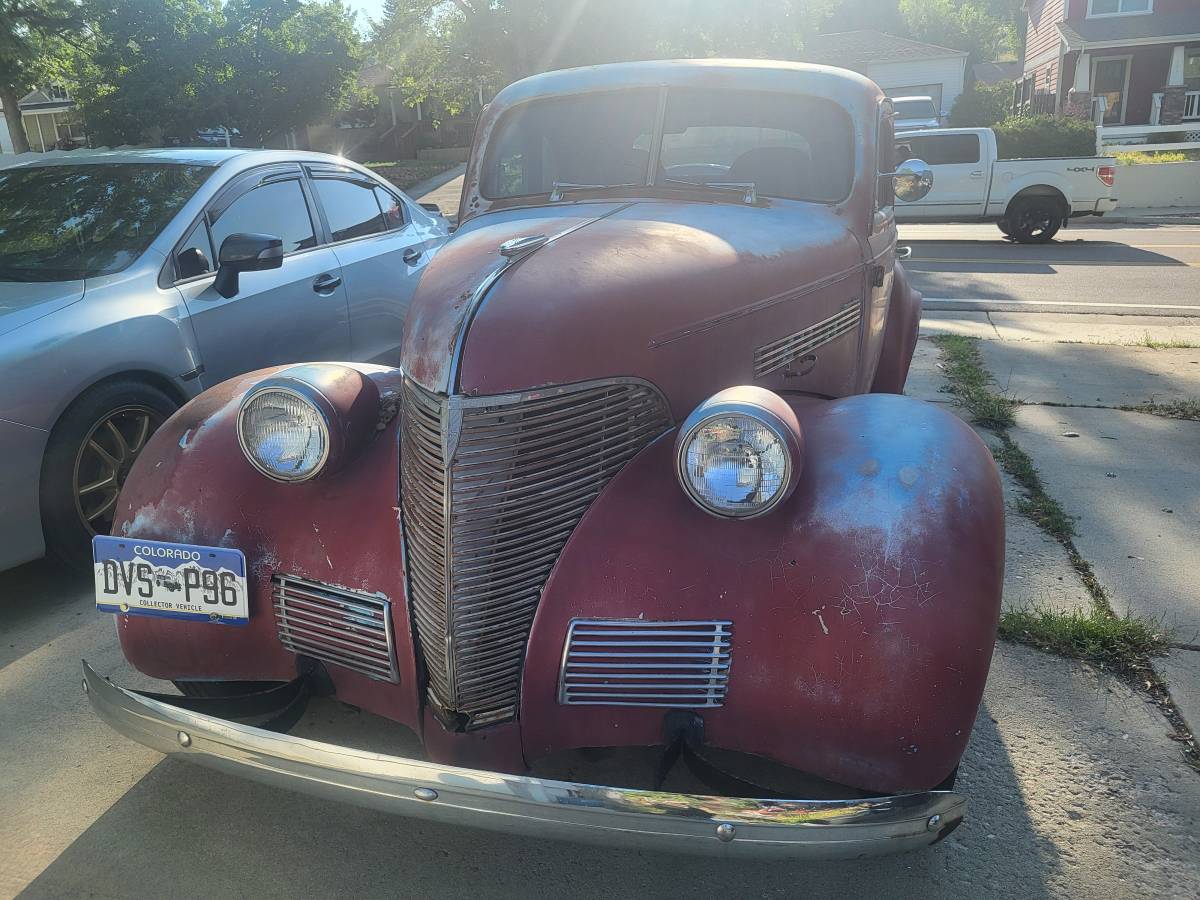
point(945, 149)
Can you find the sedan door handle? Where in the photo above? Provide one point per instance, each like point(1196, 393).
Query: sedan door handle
point(326, 284)
point(978, 173)
point(411, 255)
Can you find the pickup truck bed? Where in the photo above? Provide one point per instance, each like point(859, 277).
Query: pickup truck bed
point(1030, 199)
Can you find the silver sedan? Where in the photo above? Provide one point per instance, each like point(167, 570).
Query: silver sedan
point(132, 280)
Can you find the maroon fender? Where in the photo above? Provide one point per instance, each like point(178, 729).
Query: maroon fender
point(864, 610)
point(899, 336)
point(193, 484)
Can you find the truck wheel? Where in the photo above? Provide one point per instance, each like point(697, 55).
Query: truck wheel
point(88, 458)
point(1034, 220)
point(1004, 229)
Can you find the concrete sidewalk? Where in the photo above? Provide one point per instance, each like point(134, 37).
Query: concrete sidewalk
point(1133, 215)
point(1131, 478)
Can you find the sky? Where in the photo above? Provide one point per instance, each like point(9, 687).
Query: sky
point(366, 9)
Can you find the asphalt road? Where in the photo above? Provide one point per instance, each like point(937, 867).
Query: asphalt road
point(1088, 268)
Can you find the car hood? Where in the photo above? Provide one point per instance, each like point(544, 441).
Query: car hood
point(676, 293)
point(23, 301)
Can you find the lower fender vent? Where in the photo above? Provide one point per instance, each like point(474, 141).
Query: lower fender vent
point(347, 628)
point(634, 662)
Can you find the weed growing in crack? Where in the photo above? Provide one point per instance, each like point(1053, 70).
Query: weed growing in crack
point(1176, 409)
point(970, 383)
point(1153, 344)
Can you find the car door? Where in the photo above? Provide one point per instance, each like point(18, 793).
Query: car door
point(296, 313)
point(381, 254)
point(960, 181)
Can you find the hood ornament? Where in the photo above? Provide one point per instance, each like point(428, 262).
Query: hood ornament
point(519, 246)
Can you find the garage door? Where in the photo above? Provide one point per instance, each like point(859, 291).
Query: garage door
point(918, 90)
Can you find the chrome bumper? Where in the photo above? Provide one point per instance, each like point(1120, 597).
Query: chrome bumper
point(533, 806)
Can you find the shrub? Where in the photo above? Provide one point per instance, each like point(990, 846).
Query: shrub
point(1029, 136)
point(982, 106)
point(1145, 157)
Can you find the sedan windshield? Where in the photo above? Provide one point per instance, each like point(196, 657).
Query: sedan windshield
point(782, 145)
point(65, 222)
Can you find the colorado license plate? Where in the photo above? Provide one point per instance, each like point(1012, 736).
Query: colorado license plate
point(178, 581)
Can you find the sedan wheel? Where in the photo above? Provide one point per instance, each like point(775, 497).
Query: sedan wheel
point(88, 457)
point(104, 460)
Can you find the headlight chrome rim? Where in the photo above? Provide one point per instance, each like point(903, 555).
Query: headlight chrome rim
point(750, 402)
point(306, 394)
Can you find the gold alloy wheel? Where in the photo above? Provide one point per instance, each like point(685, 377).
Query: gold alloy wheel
point(104, 459)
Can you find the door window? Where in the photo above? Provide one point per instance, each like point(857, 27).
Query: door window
point(278, 208)
point(350, 208)
point(944, 149)
point(195, 255)
point(1109, 77)
point(393, 209)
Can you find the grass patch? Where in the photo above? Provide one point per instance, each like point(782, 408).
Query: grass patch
point(1150, 342)
point(971, 384)
point(1176, 409)
point(1119, 644)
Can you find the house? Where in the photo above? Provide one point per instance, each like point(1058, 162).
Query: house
point(902, 67)
point(1131, 65)
point(48, 116)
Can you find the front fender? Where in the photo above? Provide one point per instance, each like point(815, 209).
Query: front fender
point(864, 610)
point(193, 484)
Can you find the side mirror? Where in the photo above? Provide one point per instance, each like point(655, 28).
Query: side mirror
point(245, 253)
point(913, 180)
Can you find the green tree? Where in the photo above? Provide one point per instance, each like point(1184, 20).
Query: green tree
point(172, 66)
point(282, 64)
point(31, 50)
point(147, 67)
point(960, 25)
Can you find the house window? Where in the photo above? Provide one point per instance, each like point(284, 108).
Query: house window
point(1119, 7)
point(1191, 69)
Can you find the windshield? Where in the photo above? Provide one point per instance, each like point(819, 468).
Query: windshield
point(66, 222)
point(784, 145)
point(915, 109)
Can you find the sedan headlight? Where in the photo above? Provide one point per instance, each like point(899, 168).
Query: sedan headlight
point(283, 433)
point(739, 453)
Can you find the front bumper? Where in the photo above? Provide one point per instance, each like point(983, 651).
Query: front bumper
point(535, 807)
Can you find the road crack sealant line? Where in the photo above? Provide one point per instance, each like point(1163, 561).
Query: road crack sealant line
point(966, 375)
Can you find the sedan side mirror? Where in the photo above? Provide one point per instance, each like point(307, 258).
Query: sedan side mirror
point(912, 180)
point(245, 253)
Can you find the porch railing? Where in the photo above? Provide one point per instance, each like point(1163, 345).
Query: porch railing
point(1191, 105)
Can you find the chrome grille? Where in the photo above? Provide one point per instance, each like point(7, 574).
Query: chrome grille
point(347, 628)
point(491, 488)
point(777, 354)
point(632, 662)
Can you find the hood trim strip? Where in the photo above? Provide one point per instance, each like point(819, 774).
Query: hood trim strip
point(479, 295)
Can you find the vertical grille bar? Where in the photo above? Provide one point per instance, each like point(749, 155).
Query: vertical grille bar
point(492, 488)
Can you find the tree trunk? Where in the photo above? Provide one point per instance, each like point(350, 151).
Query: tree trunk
point(12, 114)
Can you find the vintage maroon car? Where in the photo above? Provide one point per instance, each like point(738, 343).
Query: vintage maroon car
point(645, 480)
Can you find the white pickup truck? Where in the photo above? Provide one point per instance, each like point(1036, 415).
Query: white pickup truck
point(1029, 199)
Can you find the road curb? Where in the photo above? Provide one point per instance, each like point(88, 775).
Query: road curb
point(1165, 218)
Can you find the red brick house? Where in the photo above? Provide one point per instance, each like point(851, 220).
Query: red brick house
point(1133, 65)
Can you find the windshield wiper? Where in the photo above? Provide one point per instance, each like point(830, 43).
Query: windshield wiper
point(747, 189)
point(561, 186)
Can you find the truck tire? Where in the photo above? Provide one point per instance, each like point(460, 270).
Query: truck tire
point(1004, 229)
point(1034, 220)
point(88, 456)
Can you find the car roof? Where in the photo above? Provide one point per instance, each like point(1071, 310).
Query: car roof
point(184, 156)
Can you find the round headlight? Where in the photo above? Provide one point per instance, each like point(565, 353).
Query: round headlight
point(283, 434)
point(739, 454)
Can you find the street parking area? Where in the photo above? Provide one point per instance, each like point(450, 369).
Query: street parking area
point(1077, 782)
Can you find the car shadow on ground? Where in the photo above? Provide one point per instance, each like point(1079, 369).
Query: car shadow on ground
point(187, 831)
point(30, 595)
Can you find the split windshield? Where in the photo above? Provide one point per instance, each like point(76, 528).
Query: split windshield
point(790, 146)
point(61, 223)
